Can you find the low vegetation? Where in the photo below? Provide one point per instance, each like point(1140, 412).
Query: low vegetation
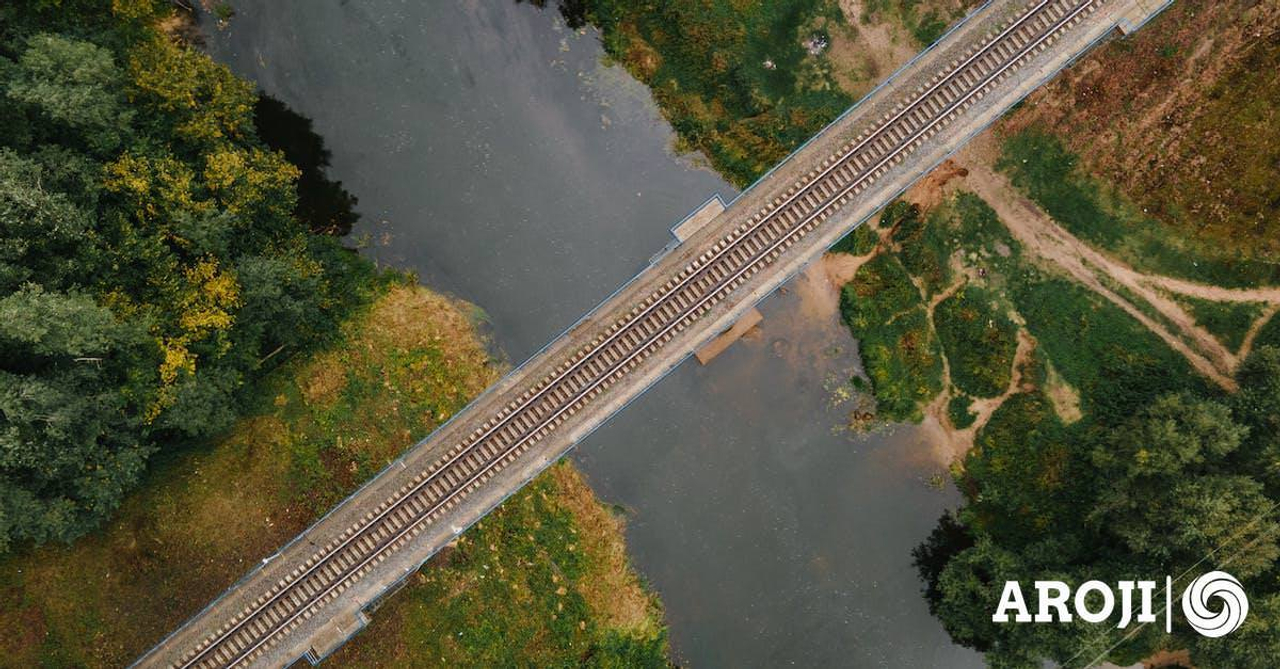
point(542, 581)
point(899, 350)
point(979, 340)
point(1040, 164)
point(1228, 321)
point(744, 87)
point(1269, 335)
point(925, 20)
point(930, 295)
point(1112, 458)
point(1181, 481)
point(192, 370)
point(925, 250)
point(1182, 119)
point(861, 241)
point(1153, 469)
point(959, 411)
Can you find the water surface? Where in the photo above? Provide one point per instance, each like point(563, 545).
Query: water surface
point(493, 154)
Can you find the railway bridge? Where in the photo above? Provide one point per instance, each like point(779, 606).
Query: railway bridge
point(313, 594)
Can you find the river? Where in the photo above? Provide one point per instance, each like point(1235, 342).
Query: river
point(495, 155)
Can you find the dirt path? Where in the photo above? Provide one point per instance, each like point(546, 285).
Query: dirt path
point(1109, 277)
point(1246, 347)
point(954, 442)
point(1116, 281)
point(1214, 293)
point(1042, 236)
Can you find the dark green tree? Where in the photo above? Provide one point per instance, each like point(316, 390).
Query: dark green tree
point(70, 439)
point(77, 85)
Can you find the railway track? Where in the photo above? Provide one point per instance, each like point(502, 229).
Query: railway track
point(705, 281)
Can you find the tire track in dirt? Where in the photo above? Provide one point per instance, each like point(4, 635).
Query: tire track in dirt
point(1037, 231)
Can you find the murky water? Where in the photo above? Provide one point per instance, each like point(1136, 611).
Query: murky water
point(495, 155)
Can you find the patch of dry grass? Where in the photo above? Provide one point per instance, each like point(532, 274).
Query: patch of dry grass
point(204, 517)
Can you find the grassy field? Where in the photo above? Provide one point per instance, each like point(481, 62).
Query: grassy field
point(1042, 166)
point(1228, 321)
point(1099, 351)
point(1114, 362)
point(544, 581)
point(1182, 119)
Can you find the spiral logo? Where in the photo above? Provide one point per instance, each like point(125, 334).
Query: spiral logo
point(1209, 621)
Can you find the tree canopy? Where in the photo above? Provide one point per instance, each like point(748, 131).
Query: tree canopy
point(152, 255)
point(1185, 484)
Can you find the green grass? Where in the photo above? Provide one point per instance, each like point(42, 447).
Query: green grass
point(1024, 441)
point(706, 64)
point(976, 229)
point(879, 293)
point(1228, 321)
point(1039, 164)
point(979, 339)
point(320, 427)
point(1269, 335)
point(523, 588)
point(899, 350)
point(859, 242)
point(1114, 362)
point(958, 409)
point(926, 245)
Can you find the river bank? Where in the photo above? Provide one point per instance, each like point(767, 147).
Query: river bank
point(738, 497)
point(549, 564)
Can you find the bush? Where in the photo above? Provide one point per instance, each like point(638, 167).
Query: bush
point(859, 242)
point(899, 350)
point(958, 410)
point(736, 84)
point(980, 341)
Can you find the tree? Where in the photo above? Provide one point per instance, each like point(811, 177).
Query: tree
point(1258, 406)
point(43, 235)
point(1173, 434)
point(1170, 500)
point(70, 413)
point(77, 84)
point(1256, 645)
point(187, 94)
point(149, 253)
point(947, 540)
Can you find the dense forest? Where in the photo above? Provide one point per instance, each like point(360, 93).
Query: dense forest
point(1178, 485)
point(155, 257)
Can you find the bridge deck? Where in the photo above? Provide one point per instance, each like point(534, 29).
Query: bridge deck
point(319, 628)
